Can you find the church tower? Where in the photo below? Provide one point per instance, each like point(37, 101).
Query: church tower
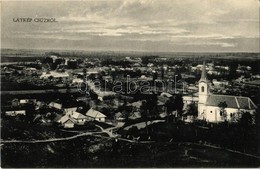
point(203, 91)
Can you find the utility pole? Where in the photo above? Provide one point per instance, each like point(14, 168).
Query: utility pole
point(175, 83)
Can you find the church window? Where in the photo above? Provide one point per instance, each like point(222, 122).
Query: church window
point(202, 89)
point(210, 111)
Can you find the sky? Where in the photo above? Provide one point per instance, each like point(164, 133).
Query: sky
point(134, 25)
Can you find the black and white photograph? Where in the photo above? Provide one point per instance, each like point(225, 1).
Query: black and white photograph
point(130, 84)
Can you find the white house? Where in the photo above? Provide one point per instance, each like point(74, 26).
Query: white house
point(209, 105)
point(55, 105)
point(67, 122)
point(77, 81)
point(25, 101)
point(15, 112)
point(70, 110)
point(54, 74)
point(190, 99)
point(135, 115)
point(95, 115)
point(72, 118)
point(78, 117)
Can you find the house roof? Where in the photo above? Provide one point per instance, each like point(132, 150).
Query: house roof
point(135, 115)
point(55, 105)
point(119, 114)
point(65, 118)
point(159, 103)
point(16, 111)
point(57, 118)
point(137, 104)
point(23, 101)
point(71, 109)
point(95, 114)
point(164, 94)
point(77, 115)
point(237, 102)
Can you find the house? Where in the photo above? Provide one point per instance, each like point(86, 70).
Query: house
point(164, 94)
point(54, 74)
point(25, 101)
point(217, 108)
point(67, 122)
point(119, 116)
point(55, 105)
point(161, 106)
point(79, 118)
point(135, 115)
point(15, 103)
point(136, 105)
point(95, 115)
point(163, 114)
point(70, 110)
point(164, 97)
point(219, 83)
point(77, 81)
point(15, 112)
point(189, 99)
point(39, 104)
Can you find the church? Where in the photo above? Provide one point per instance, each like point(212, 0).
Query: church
point(218, 108)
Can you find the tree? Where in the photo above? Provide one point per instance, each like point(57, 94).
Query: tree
point(162, 73)
point(30, 111)
point(144, 113)
point(178, 103)
point(174, 104)
point(222, 106)
point(155, 75)
point(192, 109)
point(47, 60)
point(151, 102)
point(169, 107)
point(246, 119)
point(50, 78)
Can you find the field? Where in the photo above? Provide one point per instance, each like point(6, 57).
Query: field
point(30, 55)
point(101, 152)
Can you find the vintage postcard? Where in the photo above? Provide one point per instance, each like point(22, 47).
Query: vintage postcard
point(130, 84)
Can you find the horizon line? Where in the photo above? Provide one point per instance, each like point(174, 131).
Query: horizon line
point(135, 51)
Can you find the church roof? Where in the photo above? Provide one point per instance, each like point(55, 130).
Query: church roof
point(237, 102)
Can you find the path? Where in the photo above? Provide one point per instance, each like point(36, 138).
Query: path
point(143, 124)
point(48, 140)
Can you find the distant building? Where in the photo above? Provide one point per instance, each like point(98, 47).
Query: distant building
point(15, 103)
point(135, 115)
point(54, 74)
point(70, 110)
point(15, 112)
point(55, 105)
point(217, 108)
point(119, 116)
point(190, 99)
point(25, 101)
point(77, 81)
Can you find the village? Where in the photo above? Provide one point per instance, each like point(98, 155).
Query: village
point(136, 87)
point(132, 99)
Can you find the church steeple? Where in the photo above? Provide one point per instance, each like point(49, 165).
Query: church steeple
point(203, 92)
point(203, 73)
